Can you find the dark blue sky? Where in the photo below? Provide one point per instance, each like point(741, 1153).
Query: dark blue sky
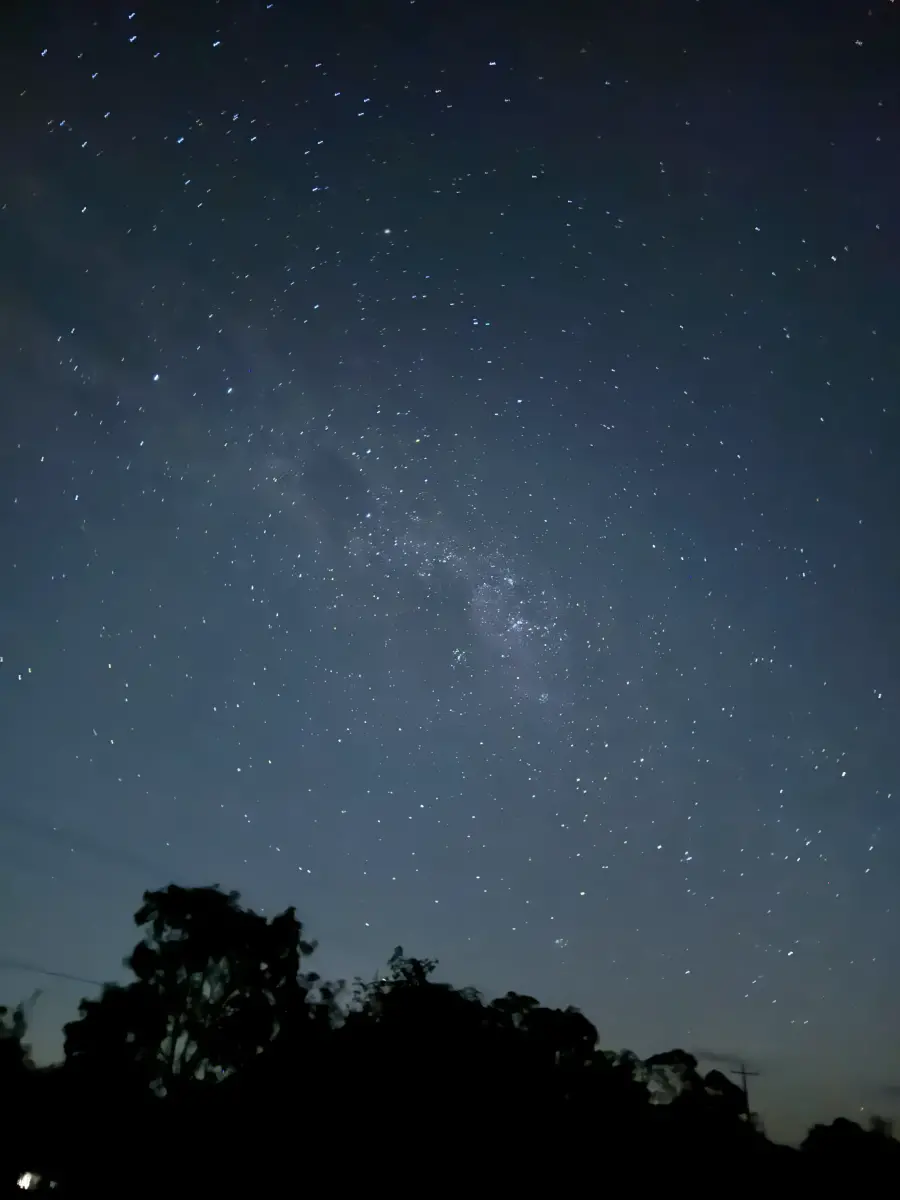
point(448, 482)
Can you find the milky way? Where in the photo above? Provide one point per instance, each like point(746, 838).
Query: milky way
point(375, 545)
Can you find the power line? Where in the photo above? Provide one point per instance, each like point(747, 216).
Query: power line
point(62, 838)
point(15, 964)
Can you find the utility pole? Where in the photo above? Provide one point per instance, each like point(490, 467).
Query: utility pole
point(743, 1074)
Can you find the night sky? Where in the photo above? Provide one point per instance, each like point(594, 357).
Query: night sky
point(448, 481)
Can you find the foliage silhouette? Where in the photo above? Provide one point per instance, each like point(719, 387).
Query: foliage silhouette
point(224, 1064)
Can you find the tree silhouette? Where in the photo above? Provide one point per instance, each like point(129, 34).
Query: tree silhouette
point(728, 1097)
point(15, 1055)
point(15, 1091)
point(223, 1063)
point(675, 1074)
point(846, 1144)
point(215, 984)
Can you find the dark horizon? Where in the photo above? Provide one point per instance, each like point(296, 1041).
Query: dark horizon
point(708, 1106)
